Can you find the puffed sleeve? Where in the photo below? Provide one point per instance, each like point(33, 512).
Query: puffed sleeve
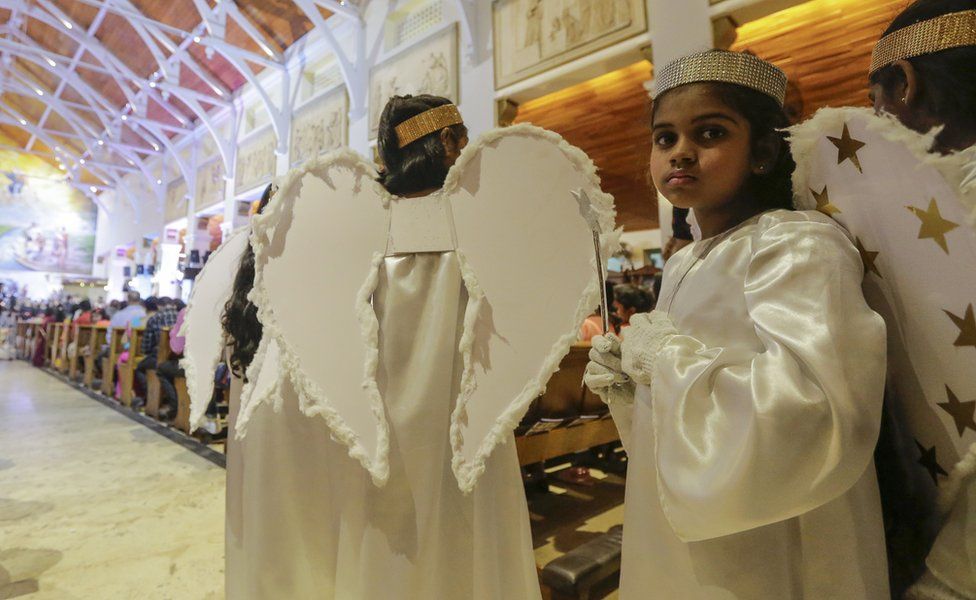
point(745, 438)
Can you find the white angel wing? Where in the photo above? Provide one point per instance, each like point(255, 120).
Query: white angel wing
point(202, 325)
point(908, 215)
point(316, 292)
point(529, 264)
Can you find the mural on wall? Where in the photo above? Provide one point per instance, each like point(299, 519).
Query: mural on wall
point(320, 127)
point(210, 184)
point(175, 201)
point(533, 36)
point(45, 224)
point(255, 161)
point(429, 67)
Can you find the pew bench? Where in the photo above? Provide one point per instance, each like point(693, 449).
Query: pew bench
point(576, 574)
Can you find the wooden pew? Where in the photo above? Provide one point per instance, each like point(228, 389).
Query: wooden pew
point(182, 421)
point(108, 363)
point(567, 418)
point(98, 338)
point(54, 344)
point(83, 346)
point(128, 370)
point(62, 364)
point(154, 390)
point(20, 341)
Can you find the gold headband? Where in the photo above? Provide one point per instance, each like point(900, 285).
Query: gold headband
point(935, 35)
point(723, 66)
point(427, 122)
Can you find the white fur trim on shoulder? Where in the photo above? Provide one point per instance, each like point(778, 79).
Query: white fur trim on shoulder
point(957, 167)
point(960, 475)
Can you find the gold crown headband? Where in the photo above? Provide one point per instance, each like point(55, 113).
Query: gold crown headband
point(722, 66)
point(935, 35)
point(427, 122)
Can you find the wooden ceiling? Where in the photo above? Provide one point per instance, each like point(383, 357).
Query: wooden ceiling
point(72, 68)
point(823, 45)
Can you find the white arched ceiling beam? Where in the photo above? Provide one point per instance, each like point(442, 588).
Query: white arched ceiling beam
point(73, 119)
point(92, 28)
point(355, 72)
point(468, 12)
point(120, 73)
point(104, 175)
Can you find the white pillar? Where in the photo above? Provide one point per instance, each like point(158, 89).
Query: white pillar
point(678, 28)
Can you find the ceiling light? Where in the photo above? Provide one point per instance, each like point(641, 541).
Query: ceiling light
point(155, 147)
point(159, 182)
point(82, 161)
point(23, 122)
point(66, 24)
point(196, 39)
point(101, 143)
point(267, 50)
point(51, 62)
point(93, 189)
point(39, 92)
point(152, 84)
point(124, 117)
point(61, 167)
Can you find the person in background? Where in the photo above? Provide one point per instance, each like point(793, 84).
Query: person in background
point(168, 370)
point(132, 310)
point(40, 346)
point(629, 300)
point(593, 325)
point(164, 317)
point(681, 233)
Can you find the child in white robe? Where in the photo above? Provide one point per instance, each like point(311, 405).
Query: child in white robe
point(749, 401)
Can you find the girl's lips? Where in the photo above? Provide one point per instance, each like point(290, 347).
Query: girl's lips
point(679, 180)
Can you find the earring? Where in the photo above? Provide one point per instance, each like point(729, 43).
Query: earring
point(762, 168)
point(904, 100)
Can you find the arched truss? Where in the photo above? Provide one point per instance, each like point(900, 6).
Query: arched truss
point(98, 124)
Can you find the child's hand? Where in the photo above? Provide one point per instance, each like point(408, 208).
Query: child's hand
point(604, 375)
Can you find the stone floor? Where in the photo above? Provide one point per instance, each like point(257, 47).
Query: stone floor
point(94, 505)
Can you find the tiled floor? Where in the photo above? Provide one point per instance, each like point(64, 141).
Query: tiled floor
point(96, 506)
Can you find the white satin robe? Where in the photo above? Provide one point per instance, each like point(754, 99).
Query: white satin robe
point(304, 521)
point(751, 472)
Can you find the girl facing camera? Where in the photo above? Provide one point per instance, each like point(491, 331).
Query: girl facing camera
point(750, 400)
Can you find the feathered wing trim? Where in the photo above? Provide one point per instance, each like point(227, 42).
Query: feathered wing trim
point(313, 399)
point(468, 470)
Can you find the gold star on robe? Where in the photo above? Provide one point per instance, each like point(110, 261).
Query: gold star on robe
point(930, 462)
point(868, 258)
point(823, 203)
point(847, 148)
point(961, 412)
point(967, 327)
point(934, 227)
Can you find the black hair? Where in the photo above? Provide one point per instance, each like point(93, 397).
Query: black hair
point(766, 118)
point(85, 305)
point(633, 296)
point(420, 165)
point(240, 318)
point(949, 82)
point(151, 304)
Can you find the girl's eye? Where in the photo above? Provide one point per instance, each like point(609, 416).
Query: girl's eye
point(712, 133)
point(664, 139)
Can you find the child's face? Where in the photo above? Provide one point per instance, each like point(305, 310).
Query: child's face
point(700, 152)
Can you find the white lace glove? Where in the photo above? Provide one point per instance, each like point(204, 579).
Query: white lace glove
point(645, 337)
point(603, 374)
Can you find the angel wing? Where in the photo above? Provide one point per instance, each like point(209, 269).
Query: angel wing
point(907, 211)
point(334, 219)
point(202, 323)
point(528, 261)
point(515, 223)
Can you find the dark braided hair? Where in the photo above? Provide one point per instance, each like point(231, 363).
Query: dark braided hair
point(420, 165)
point(240, 319)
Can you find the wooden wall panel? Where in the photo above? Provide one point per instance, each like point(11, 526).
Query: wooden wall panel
point(607, 118)
point(823, 45)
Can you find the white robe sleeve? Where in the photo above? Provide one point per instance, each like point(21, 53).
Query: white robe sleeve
point(745, 438)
